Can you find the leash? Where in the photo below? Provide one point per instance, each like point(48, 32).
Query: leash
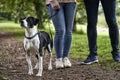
point(50, 30)
point(53, 14)
point(50, 22)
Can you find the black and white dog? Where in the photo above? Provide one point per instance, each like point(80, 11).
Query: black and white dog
point(36, 40)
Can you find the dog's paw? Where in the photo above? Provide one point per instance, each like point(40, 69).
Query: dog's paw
point(49, 68)
point(30, 73)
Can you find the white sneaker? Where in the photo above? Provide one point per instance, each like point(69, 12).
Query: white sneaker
point(66, 62)
point(59, 63)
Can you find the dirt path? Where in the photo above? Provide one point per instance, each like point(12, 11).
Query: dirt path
point(14, 67)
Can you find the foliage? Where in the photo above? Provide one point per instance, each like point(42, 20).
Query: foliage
point(118, 7)
point(15, 9)
point(80, 13)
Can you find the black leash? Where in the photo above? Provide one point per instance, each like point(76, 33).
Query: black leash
point(49, 22)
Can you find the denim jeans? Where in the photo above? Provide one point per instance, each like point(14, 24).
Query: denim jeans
point(109, 7)
point(63, 22)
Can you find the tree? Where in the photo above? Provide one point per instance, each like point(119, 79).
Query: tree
point(41, 11)
point(80, 17)
point(15, 9)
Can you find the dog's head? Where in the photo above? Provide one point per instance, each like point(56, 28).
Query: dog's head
point(28, 22)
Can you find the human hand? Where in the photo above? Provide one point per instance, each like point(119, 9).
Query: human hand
point(55, 4)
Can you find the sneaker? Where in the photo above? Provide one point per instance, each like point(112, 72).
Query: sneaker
point(66, 62)
point(59, 63)
point(116, 58)
point(90, 60)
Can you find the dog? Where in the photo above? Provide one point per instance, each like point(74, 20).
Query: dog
point(36, 40)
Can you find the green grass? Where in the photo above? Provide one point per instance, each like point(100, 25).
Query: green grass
point(8, 26)
point(1, 77)
point(79, 48)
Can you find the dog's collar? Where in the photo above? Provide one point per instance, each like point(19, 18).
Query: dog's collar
point(31, 36)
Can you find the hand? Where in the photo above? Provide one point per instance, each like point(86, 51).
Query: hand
point(55, 4)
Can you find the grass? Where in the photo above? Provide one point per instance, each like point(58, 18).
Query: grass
point(79, 49)
point(1, 77)
point(80, 46)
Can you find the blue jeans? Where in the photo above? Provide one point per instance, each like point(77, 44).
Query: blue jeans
point(63, 23)
point(109, 7)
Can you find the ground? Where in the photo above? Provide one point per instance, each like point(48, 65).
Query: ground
point(13, 65)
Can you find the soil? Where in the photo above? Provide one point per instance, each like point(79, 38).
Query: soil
point(13, 65)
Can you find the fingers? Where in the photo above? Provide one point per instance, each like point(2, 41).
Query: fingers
point(55, 4)
point(56, 7)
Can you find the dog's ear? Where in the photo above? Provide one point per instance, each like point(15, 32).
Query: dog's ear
point(36, 21)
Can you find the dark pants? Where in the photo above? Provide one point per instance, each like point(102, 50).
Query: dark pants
point(109, 7)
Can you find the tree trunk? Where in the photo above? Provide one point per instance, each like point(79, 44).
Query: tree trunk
point(74, 25)
point(39, 14)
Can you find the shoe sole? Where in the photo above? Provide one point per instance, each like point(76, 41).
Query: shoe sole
point(117, 60)
point(67, 66)
point(90, 62)
point(60, 68)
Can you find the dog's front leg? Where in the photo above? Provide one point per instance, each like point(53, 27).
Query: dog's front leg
point(40, 64)
point(30, 72)
point(36, 66)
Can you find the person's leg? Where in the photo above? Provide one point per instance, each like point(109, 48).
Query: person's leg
point(59, 24)
point(69, 13)
point(92, 16)
point(110, 15)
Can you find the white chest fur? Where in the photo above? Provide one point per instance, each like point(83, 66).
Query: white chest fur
point(31, 43)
